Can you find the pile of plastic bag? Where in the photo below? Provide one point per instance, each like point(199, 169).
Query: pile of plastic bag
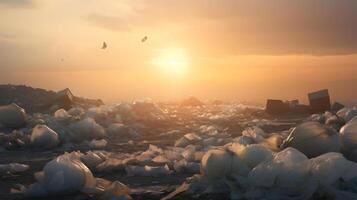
point(67, 174)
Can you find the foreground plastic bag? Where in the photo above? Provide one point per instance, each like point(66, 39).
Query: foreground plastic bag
point(347, 114)
point(330, 167)
point(218, 163)
point(313, 139)
point(61, 176)
point(62, 115)
point(254, 154)
point(348, 137)
point(43, 137)
point(86, 129)
point(12, 116)
point(286, 175)
point(13, 168)
point(256, 133)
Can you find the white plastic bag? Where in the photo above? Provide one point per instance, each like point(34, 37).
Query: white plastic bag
point(43, 137)
point(63, 175)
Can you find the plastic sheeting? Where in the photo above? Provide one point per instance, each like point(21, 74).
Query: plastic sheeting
point(348, 137)
point(63, 175)
point(12, 116)
point(313, 139)
point(86, 129)
point(43, 137)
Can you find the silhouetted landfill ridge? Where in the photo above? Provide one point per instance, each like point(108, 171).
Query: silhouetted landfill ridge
point(39, 100)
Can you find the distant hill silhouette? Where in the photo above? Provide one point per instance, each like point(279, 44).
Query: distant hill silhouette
point(41, 100)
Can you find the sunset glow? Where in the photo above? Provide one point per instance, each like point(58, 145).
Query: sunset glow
point(172, 61)
point(210, 46)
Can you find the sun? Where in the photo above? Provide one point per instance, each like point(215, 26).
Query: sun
point(171, 60)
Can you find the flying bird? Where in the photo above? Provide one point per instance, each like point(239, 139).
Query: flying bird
point(144, 39)
point(104, 45)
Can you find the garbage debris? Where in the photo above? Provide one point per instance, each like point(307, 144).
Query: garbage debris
point(63, 175)
point(86, 129)
point(35, 100)
point(116, 190)
point(215, 151)
point(13, 168)
point(147, 171)
point(62, 115)
point(92, 159)
point(12, 116)
point(288, 174)
point(219, 163)
point(276, 107)
point(336, 107)
point(43, 137)
point(348, 137)
point(347, 114)
point(319, 101)
point(64, 99)
point(308, 136)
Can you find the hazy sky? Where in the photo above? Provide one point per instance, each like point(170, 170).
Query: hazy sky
point(227, 49)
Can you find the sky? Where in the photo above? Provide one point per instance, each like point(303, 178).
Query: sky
point(213, 49)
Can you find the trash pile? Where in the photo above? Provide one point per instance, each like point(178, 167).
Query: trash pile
point(218, 151)
point(66, 175)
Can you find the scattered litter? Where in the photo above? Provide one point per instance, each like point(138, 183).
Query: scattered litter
point(62, 115)
point(43, 137)
point(86, 129)
point(63, 175)
point(12, 116)
point(13, 168)
point(313, 139)
point(147, 171)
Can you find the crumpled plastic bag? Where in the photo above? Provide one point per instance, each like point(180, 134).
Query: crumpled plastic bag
point(86, 129)
point(218, 163)
point(12, 116)
point(286, 176)
point(43, 137)
point(62, 115)
point(330, 167)
point(64, 175)
point(254, 154)
point(313, 139)
point(348, 137)
point(347, 114)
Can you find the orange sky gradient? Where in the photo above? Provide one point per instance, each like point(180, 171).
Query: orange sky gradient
point(231, 49)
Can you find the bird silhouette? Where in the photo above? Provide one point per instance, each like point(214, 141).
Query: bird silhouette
point(104, 45)
point(144, 39)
